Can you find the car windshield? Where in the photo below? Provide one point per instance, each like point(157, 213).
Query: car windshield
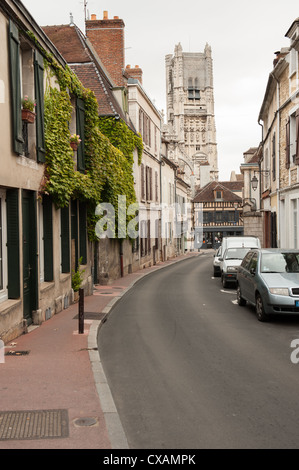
point(235, 253)
point(280, 263)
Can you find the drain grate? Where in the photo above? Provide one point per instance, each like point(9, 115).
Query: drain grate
point(91, 316)
point(40, 424)
point(17, 353)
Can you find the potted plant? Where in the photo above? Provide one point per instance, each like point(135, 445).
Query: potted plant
point(28, 106)
point(74, 141)
point(77, 279)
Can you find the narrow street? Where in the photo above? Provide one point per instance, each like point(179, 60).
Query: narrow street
point(190, 369)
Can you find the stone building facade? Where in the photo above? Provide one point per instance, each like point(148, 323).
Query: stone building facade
point(279, 163)
point(275, 163)
point(190, 127)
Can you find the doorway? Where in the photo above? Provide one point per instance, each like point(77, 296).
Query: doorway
point(30, 289)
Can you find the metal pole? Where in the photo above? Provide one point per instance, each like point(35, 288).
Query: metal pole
point(81, 311)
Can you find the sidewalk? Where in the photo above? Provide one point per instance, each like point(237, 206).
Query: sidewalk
point(53, 391)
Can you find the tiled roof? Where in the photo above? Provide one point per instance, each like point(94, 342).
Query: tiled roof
point(68, 42)
point(72, 45)
point(206, 194)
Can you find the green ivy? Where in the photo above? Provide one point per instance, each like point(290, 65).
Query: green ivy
point(109, 147)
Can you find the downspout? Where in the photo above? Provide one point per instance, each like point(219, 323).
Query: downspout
point(278, 160)
point(259, 163)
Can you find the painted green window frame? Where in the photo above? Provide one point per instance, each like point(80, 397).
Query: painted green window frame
point(13, 243)
point(82, 232)
point(80, 124)
point(48, 238)
point(65, 239)
point(15, 82)
point(40, 113)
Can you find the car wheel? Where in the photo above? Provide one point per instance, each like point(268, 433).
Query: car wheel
point(240, 299)
point(223, 281)
point(259, 308)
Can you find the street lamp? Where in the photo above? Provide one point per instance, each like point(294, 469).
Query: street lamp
point(254, 183)
point(236, 205)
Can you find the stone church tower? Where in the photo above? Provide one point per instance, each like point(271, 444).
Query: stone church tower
point(190, 129)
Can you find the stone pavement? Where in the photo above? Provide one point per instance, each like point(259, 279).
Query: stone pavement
point(53, 390)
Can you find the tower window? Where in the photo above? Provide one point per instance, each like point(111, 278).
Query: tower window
point(193, 89)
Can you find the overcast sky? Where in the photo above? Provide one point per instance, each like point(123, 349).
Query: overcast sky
point(243, 37)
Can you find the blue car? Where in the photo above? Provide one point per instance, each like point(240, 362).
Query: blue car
point(269, 280)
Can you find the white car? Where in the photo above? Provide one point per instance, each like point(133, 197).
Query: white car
point(232, 258)
point(216, 263)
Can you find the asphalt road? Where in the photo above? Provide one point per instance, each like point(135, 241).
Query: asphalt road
point(190, 369)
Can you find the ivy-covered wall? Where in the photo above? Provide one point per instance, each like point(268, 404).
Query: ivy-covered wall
point(109, 148)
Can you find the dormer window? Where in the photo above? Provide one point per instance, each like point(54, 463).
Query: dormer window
point(218, 195)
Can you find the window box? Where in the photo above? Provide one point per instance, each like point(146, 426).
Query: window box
point(28, 116)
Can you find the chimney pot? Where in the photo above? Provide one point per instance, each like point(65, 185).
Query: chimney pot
point(105, 15)
point(116, 17)
point(128, 66)
point(93, 17)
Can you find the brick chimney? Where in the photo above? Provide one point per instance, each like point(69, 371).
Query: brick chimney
point(134, 72)
point(107, 38)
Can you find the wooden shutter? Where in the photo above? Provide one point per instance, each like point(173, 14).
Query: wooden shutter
point(80, 123)
point(82, 232)
point(65, 239)
point(15, 80)
point(48, 238)
point(13, 243)
point(288, 144)
point(39, 97)
point(274, 158)
point(142, 182)
point(297, 137)
point(150, 184)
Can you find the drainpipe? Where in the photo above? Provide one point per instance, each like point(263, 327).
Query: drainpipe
point(121, 252)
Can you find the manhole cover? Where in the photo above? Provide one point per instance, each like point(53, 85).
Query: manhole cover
point(85, 421)
point(40, 424)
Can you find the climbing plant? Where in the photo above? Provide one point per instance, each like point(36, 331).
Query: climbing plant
point(109, 147)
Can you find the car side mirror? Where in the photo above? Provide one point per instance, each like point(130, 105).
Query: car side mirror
point(252, 271)
point(220, 259)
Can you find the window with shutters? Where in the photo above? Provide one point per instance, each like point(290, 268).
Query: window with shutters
point(142, 169)
point(41, 241)
point(156, 187)
point(65, 239)
point(292, 138)
point(48, 238)
point(80, 123)
point(82, 232)
point(26, 79)
point(149, 183)
point(3, 258)
point(13, 243)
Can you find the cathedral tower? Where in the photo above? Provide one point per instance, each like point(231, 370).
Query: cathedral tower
point(190, 129)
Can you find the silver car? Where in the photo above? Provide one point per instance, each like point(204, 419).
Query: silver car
point(269, 279)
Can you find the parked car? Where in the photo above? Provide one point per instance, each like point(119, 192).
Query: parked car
point(269, 280)
point(216, 263)
point(232, 258)
point(240, 241)
point(233, 242)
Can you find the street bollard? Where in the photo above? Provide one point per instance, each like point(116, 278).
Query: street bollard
point(81, 311)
